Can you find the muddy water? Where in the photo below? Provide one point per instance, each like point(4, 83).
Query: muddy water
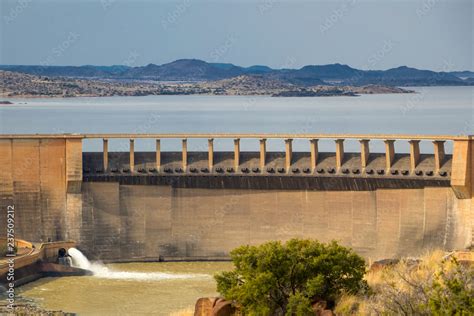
point(129, 289)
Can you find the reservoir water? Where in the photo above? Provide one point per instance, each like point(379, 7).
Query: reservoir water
point(432, 110)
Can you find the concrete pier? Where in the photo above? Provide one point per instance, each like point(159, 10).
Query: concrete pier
point(106, 154)
point(414, 154)
point(236, 154)
point(364, 153)
point(389, 153)
point(438, 154)
point(288, 154)
point(185, 154)
point(314, 153)
point(339, 153)
point(158, 155)
point(263, 153)
point(210, 158)
point(132, 155)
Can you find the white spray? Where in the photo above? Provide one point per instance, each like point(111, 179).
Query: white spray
point(101, 271)
point(78, 259)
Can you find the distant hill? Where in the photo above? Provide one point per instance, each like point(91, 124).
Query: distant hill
point(406, 76)
point(199, 70)
point(87, 71)
point(316, 75)
point(330, 72)
point(463, 74)
point(182, 70)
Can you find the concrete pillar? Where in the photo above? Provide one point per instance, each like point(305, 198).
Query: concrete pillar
point(288, 153)
point(105, 154)
point(364, 152)
point(158, 155)
point(132, 155)
point(438, 154)
point(185, 153)
point(339, 153)
point(313, 143)
point(414, 154)
point(263, 153)
point(236, 154)
point(389, 153)
point(461, 169)
point(210, 143)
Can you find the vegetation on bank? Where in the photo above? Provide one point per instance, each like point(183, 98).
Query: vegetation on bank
point(286, 279)
point(433, 285)
point(298, 277)
point(27, 309)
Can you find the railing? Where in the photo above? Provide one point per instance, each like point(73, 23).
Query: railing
point(364, 139)
point(243, 135)
point(389, 140)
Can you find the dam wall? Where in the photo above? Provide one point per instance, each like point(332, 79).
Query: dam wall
point(200, 205)
point(140, 221)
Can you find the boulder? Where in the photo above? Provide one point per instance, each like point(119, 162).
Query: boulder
point(321, 308)
point(380, 264)
point(204, 306)
point(223, 308)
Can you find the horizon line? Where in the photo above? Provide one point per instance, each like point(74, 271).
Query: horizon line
point(229, 63)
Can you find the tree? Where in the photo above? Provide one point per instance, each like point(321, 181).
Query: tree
point(277, 279)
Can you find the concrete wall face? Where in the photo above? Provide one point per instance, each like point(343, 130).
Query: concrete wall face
point(43, 179)
point(127, 222)
point(34, 179)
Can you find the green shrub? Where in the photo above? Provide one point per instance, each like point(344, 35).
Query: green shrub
point(276, 278)
point(452, 291)
point(299, 305)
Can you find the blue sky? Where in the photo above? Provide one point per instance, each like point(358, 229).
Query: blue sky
point(428, 34)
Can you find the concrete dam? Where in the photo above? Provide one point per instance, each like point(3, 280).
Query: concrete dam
point(186, 205)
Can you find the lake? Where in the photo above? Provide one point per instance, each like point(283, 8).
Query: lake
point(432, 110)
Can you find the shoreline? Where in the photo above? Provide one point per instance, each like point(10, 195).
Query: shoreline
point(31, 308)
point(18, 85)
point(29, 96)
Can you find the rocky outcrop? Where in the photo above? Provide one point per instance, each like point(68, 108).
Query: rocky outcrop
point(204, 306)
point(321, 308)
point(16, 84)
point(214, 306)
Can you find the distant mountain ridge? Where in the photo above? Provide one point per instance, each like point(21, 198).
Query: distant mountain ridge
point(199, 70)
point(87, 71)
